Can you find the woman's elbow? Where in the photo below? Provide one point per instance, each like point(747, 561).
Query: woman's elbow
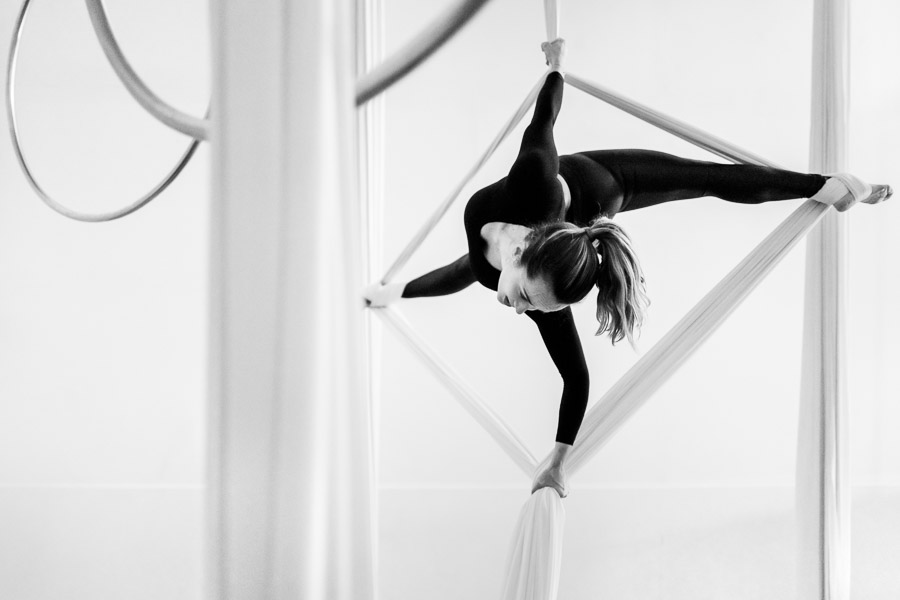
point(577, 377)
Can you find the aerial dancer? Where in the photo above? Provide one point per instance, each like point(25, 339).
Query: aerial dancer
point(543, 237)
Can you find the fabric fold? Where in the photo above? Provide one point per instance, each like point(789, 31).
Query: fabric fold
point(535, 553)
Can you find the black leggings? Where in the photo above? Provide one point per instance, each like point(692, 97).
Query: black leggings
point(633, 179)
point(612, 181)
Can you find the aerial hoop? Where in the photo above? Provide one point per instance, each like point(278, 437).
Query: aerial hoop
point(407, 58)
point(14, 134)
point(163, 112)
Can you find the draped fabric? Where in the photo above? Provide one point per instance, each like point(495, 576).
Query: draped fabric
point(290, 475)
point(535, 554)
point(823, 480)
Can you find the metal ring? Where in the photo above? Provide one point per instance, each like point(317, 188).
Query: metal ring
point(14, 133)
point(166, 114)
point(416, 50)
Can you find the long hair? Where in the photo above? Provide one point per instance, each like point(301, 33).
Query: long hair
point(574, 259)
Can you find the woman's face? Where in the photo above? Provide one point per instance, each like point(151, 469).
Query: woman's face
point(516, 290)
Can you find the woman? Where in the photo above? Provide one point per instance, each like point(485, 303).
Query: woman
point(542, 238)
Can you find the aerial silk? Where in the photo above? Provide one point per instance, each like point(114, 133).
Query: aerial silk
point(290, 483)
point(660, 362)
point(534, 559)
point(636, 387)
point(535, 553)
point(823, 478)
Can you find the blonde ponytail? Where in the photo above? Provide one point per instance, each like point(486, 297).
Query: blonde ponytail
point(574, 259)
point(622, 295)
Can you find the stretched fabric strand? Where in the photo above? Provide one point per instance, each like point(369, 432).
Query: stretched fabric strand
point(192, 126)
point(475, 406)
point(655, 367)
point(370, 145)
point(680, 129)
point(445, 205)
point(551, 19)
point(417, 50)
point(823, 478)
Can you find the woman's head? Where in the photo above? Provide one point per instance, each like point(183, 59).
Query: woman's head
point(519, 290)
point(569, 261)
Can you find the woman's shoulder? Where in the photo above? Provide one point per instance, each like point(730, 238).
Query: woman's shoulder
point(484, 206)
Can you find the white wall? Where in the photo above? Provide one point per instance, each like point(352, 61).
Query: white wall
point(103, 326)
point(694, 497)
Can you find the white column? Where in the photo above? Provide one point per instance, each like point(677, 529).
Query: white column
point(823, 485)
point(289, 472)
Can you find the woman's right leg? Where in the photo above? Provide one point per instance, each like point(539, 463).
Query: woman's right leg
point(648, 178)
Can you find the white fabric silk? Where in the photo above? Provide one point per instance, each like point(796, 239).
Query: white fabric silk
point(465, 395)
point(371, 156)
point(628, 394)
point(676, 127)
point(823, 477)
point(833, 190)
point(290, 486)
point(383, 295)
point(859, 190)
point(535, 553)
point(551, 19)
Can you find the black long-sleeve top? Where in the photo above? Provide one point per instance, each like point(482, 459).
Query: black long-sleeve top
point(530, 195)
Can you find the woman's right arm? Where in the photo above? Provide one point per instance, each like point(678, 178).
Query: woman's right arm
point(448, 279)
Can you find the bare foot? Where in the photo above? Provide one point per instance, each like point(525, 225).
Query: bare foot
point(880, 193)
point(855, 190)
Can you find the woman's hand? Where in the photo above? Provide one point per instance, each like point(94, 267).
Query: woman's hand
point(551, 476)
point(555, 52)
point(552, 472)
point(377, 295)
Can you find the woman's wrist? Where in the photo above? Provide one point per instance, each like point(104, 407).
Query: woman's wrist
point(559, 454)
point(378, 295)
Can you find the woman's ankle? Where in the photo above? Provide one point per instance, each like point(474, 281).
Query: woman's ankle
point(832, 191)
